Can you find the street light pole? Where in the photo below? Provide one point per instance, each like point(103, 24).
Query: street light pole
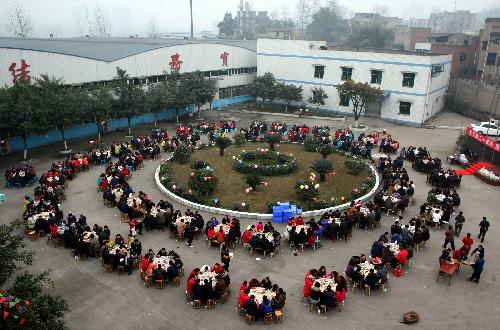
point(191, 10)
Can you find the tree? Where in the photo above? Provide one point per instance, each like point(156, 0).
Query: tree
point(263, 87)
point(288, 93)
point(323, 167)
point(13, 251)
point(253, 180)
point(372, 35)
point(197, 90)
point(19, 22)
point(304, 13)
point(100, 106)
point(228, 25)
point(318, 97)
point(325, 150)
point(222, 142)
point(95, 23)
point(21, 114)
point(327, 24)
point(359, 95)
point(65, 106)
point(130, 99)
point(43, 311)
point(272, 139)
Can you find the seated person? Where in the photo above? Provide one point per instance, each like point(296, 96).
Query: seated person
point(445, 256)
point(251, 307)
point(328, 298)
point(172, 271)
point(159, 274)
point(243, 298)
point(372, 279)
point(315, 295)
point(266, 307)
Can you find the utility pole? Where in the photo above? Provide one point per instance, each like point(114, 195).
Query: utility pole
point(191, 9)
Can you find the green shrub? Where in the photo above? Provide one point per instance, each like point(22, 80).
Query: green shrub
point(325, 150)
point(202, 182)
point(222, 142)
point(323, 167)
point(239, 139)
point(182, 153)
point(306, 190)
point(311, 144)
point(265, 162)
point(355, 165)
point(272, 139)
point(200, 164)
point(253, 180)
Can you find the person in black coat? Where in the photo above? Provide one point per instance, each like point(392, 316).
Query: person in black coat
point(377, 248)
point(251, 307)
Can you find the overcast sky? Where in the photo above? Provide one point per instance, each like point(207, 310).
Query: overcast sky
point(60, 17)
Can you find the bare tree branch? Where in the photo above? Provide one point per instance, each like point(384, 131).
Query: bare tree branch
point(19, 22)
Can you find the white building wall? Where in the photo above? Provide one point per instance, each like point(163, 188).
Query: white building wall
point(78, 70)
point(294, 61)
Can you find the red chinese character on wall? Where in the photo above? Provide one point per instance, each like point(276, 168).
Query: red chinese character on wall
point(22, 72)
point(175, 64)
point(223, 57)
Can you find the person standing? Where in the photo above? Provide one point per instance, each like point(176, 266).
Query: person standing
point(225, 258)
point(483, 228)
point(478, 269)
point(459, 222)
point(449, 237)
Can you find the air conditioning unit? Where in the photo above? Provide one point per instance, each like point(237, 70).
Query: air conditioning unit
point(5, 148)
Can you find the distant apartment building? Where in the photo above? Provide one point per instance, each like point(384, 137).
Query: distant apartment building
point(373, 18)
point(488, 63)
point(448, 22)
point(418, 22)
point(464, 49)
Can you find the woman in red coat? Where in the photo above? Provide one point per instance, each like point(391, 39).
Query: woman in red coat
point(308, 282)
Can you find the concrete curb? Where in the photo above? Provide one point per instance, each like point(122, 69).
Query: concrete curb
point(292, 115)
point(256, 216)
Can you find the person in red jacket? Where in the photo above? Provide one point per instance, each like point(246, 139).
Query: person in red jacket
point(311, 238)
point(245, 238)
point(243, 297)
point(401, 258)
point(145, 262)
point(210, 233)
point(244, 286)
point(259, 227)
point(308, 282)
point(189, 284)
point(468, 241)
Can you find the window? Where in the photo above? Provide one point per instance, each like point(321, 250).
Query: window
point(224, 93)
point(376, 77)
point(344, 101)
point(408, 79)
point(491, 59)
point(463, 57)
point(319, 71)
point(404, 108)
point(346, 74)
point(436, 70)
point(484, 45)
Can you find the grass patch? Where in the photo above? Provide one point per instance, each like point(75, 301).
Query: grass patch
point(231, 187)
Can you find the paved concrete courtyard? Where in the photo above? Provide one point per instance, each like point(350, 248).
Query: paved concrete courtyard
point(99, 300)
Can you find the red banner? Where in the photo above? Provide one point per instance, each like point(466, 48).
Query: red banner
point(483, 139)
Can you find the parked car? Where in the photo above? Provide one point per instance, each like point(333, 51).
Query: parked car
point(486, 128)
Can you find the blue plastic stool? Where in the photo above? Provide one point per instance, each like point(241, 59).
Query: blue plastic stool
point(18, 185)
point(8, 184)
point(3, 199)
point(131, 168)
point(103, 161)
